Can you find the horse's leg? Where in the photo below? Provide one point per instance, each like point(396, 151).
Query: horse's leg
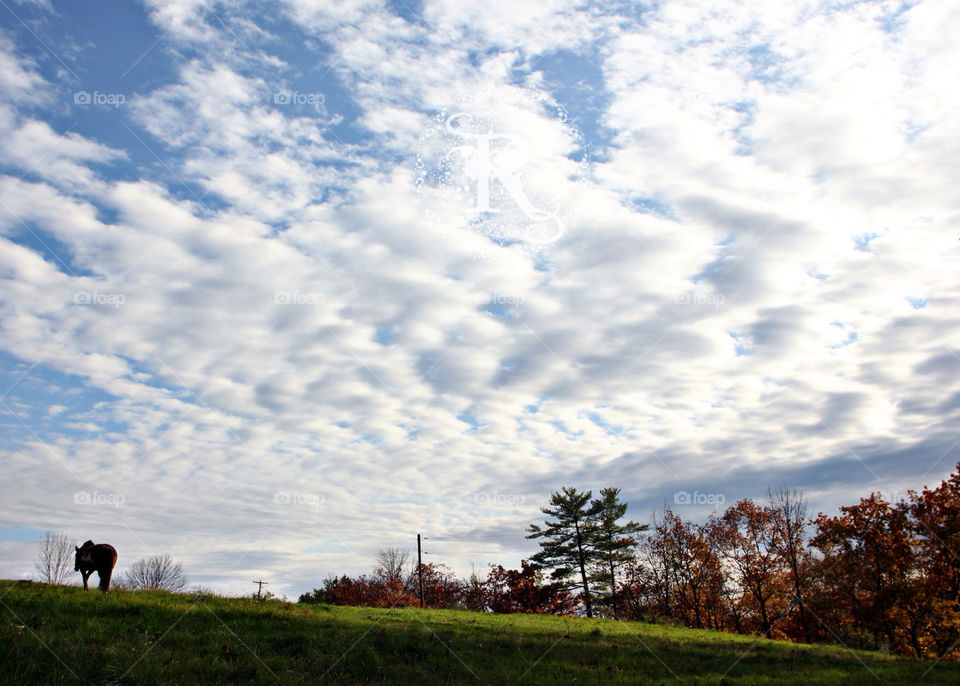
point(105, 575)
point(85, 575)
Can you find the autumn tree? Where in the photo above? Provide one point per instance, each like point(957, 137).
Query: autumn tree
point(788, 520)
point(935, 517)
point(524, 590)
point(677, 573)
point(638, 589)
point(750, 543)
point(652, 578)
point(698, 573)
point(441, 589)
point(341, 590)
point(867, 573)
point(566, 544)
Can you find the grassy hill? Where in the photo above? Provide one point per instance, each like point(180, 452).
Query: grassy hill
point(61, 634)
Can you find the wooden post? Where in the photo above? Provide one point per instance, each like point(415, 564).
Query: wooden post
point(420, 569)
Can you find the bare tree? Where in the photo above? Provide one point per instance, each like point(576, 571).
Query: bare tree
point(159, 572)
point(55, 559)
point(789, 521)
point(392, 561)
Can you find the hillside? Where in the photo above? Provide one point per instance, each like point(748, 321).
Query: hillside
point(60, 634)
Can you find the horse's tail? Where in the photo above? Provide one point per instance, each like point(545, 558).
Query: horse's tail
point(108, 571)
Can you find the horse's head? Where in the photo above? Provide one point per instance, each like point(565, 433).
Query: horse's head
point(82, 555)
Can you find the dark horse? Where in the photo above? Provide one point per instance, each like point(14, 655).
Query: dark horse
point(100, 557)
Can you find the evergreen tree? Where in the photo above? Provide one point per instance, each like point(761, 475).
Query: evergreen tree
point(613, 543)
point(567, 544)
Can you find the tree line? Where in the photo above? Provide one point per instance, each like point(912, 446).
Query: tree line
point(878, 575)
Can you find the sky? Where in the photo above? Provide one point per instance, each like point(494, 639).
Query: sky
point(284, 283)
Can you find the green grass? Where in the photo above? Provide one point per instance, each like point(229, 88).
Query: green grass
point(61, 634)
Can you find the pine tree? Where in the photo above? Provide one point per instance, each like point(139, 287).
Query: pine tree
point(567, 545)
point(613, 543)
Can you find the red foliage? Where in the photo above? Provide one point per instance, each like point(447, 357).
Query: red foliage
point(523, 590)
point(369, 591)
point(440, 588)
point(504, 590)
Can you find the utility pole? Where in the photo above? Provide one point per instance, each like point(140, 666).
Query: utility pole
point(420, 569)
point(260, 585)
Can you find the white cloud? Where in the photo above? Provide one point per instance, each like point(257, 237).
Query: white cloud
point(283, 329)
point(19, 81)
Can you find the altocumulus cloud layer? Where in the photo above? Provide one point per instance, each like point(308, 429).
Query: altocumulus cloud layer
point(286, 283)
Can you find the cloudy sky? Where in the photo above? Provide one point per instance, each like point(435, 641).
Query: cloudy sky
point(284, 283)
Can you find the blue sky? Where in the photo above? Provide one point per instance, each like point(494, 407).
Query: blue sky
point(286, 283)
